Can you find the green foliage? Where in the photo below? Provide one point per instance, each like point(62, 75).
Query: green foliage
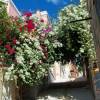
point(28, 46)
point(5, 29)
point(3, 12)
point(75, 37)
point(27, 49)
point(31, 67)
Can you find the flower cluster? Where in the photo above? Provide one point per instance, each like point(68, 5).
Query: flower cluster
point(8, 43)
point(26, 47)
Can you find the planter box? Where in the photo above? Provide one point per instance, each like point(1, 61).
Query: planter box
point(8, 89)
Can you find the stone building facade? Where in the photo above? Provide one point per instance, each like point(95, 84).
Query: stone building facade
point(11, 8)
point(43, 15)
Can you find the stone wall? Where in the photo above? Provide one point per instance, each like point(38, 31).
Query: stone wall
point(1, 84)
point(8, 90)
point(93, 8)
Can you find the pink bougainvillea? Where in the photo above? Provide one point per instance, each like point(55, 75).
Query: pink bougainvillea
point(24, 47)
point(30, 25)
point(27, 14)
point(42, 20)
point(14, 41)
point(7, 46)
point(11, 51)
point(1, 42)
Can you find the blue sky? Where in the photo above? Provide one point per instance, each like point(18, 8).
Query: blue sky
point(52, 6)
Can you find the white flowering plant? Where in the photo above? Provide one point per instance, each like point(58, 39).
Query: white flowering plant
point(32, 50)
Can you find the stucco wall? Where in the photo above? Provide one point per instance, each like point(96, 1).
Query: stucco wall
point(11, 10)
point(43, 15)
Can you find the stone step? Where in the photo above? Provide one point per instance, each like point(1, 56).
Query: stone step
point(97, 94)
point(66, 94)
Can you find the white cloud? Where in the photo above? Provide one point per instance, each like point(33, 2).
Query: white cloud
point(62, 2)
point(54, 1)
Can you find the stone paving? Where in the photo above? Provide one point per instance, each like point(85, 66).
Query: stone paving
point(66, 94)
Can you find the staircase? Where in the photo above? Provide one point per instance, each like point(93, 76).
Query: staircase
point(66, 94)
point(97, 94)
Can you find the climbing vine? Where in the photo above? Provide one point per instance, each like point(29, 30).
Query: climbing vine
point(75, 36)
